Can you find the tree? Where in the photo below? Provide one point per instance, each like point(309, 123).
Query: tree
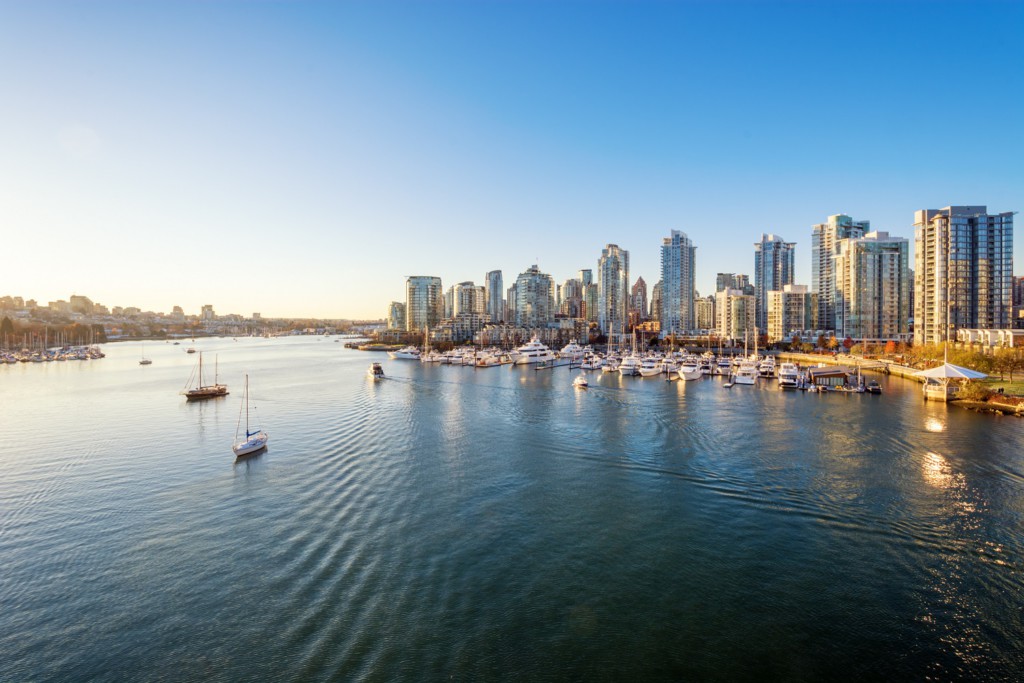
point(890, 347)
point(821, 341)
point(833, 343)
point(795, 343)
point(847, 343)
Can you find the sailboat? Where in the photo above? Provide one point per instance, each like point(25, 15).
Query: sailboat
point(144, 360)
point(255, 440)
point(204, 391)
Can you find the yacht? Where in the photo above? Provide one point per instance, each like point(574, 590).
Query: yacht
point(724, 366)
point(581, 381)
point(766, 368)
point(746, 373)
point(375, 371)
point(611, 364)
point(690, 370)
point(592, 362)
point(630, 366)
point(789, 376)
point(572, 351)
point(650, 366)
point(407, 353)
point(533, 352)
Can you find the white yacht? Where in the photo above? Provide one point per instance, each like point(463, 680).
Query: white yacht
point(533, 352)
point(630, 366)
point(766, 368)
point(690, 369)
point(746, 373)
point(407, 353)
point(789, 376)
point(581, 381)
point(650, 366)
point(724, 366)
point(572, 351)
point(611, 364)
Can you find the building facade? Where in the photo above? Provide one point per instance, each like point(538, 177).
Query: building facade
point(678, 257)
point(612, 289)
point(704, 309)
point(469, 298)
point(773, 270)
point(963, 270)
point(534, 299)
point(794, 307)
point(735, 314)
point(396, 316)
point(494, 294)
point(872, 289)
point(638, 303)
point(424, 302)
point(825, 238)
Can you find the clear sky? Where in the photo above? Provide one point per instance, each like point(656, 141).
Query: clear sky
point(302, 158)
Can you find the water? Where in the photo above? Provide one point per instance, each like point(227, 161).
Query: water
point(496, 524)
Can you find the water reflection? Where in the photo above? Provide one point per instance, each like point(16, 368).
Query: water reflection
point(934, 423)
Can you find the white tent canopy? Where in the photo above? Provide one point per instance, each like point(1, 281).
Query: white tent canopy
point(950, 371)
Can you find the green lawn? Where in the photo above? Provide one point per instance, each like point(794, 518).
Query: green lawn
point(1014, 388)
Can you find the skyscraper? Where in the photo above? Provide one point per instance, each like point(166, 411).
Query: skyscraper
point(571, 299)
point(612, 289)
point(773, 269)
point(535, 298)
point(424, 302)
point(495, 292)
point(469, 298)
point(824, 242)
point(963, 271)
point(677, 271)
point(638, 302)
point(725, 281)
point(872, 288)
point(734, 314)
point(656, 301)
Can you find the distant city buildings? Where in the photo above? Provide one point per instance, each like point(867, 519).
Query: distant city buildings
point(704, 308)
point(963, 260)
point(774, 264)
point(613, 289)
point(872, 290)
point(1018, 301)
point(678, 257)
point(825, 239)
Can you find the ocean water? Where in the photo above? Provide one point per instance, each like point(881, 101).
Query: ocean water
point(496, 524)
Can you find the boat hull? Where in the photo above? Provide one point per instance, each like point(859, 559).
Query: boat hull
point(253, 445)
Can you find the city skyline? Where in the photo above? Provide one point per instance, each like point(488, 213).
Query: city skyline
point(303, 160)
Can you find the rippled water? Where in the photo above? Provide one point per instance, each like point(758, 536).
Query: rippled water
point(496, 524)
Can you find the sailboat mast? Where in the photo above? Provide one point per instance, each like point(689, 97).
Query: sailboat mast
point(247, 406)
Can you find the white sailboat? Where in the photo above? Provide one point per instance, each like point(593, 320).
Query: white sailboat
point(255, 440)
point(144, 360)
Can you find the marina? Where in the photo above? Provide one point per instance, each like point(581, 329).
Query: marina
point(497, 524)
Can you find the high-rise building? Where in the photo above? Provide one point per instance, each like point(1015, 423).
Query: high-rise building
point(705, 312)
point(494, 293)
point(424, 302)
point(207, 312)
point(656, 301)
point(396, 315)
point(743, 283)
point(535, 298)
point(735, 314)
point(725, 281)
point(638, 302)
point(449, 303)
point(589, 312)
point(824, 242)
point(872, 289)
point(469, 298)
point(612, 289)
point(571, 299)
point(963, 268)
point(678, 256)
point(791, 308)
point(1018, 303)
point(773, 269)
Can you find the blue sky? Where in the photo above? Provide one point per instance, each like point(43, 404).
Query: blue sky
point(302, 158)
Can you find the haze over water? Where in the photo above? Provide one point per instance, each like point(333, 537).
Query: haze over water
point(496, 524)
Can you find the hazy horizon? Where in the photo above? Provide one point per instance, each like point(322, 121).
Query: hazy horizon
point(302, 159)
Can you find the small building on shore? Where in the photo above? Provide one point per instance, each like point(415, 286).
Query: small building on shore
point(831, 376)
